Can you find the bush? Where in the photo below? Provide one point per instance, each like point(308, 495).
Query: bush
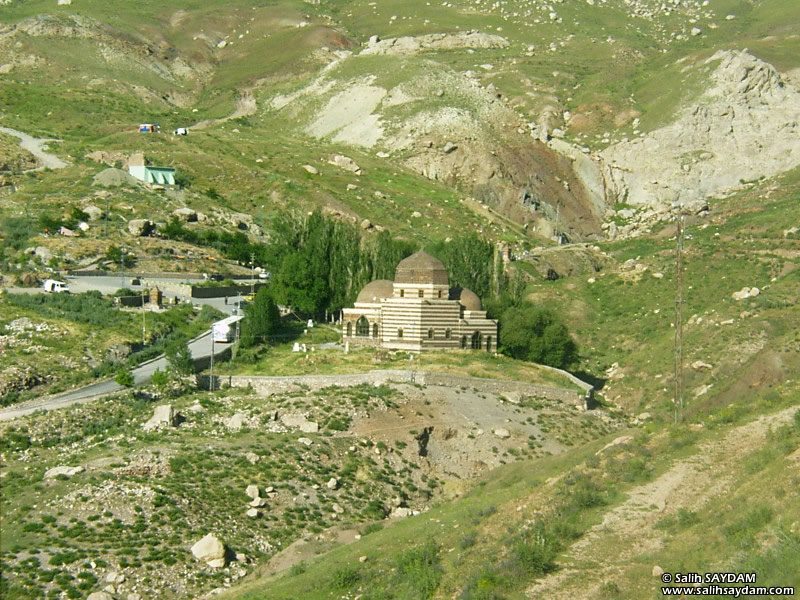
point(345, 577)
point(124, 377)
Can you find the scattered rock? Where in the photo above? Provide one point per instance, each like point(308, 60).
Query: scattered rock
point(332, 484)
point(449, 147)
point(253, 513)
point(252, 491)
point(305, 441)
point(210, 550)
point(68, 471)
point(502, 433)
point(258, 502)
point(416, 214)
point(366, 224)
point(312, 170)
point(99, 595)
point(362, 559)
point(337, 508)
point(252, 457)
point(401, 513)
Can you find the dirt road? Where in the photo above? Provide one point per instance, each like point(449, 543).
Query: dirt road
point(36, 147)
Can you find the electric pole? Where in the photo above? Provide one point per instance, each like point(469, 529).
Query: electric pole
point(679, 322)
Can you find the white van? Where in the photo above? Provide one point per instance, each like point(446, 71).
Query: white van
point(53, 286)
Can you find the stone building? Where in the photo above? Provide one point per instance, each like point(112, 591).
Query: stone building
point(419, 311)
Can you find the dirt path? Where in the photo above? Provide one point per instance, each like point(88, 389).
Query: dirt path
point(36, 147)
point(629, 528)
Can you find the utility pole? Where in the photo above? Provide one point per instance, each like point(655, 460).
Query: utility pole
point(105, 230)
point(679, 322)
point(122, 265)
point(252, 273)
point(211, 380)
point(143, 322)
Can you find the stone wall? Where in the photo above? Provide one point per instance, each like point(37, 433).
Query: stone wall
point(274, 385)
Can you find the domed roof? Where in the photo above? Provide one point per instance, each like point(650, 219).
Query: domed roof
point(421, 267)
point(375, 290)
point(467, 298)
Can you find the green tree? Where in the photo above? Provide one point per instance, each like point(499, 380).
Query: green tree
point(179, 358)
point(299, 285)
point(261, 320)
point(528, 332)
point(124, 377)
point(160, 379)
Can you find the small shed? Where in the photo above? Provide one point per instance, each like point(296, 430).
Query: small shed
point(149, 128)
point(149, 174)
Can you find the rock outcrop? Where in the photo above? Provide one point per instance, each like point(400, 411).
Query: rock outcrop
point(743, 127)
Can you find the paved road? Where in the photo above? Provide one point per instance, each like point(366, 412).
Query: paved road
point(110, 284)
point(200, 348)
point(35, 146)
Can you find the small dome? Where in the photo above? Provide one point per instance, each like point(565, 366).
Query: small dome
point(421, 267)
point(374, 291)
point(467, 298)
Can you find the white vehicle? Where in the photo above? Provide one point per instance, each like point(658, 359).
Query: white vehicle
point(181, 131)
point(53, 286)
point(224, 331)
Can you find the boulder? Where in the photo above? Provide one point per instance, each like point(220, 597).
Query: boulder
point(210, 550)
point(502, 433)
point(366, 224)
point(236, 422)
point(68, 471)
point(99, 595)
point(163, 416)
point(657, 571)
point(43, 253)
point(185, 214)
point(312, 170)
point(252, 457)
point(699, 365)
point(258, 502)
point(745, 293)
point(305, 441)
point(252, 491)
point(337, 508)
point(400, 513)
point(346, 163)
point(93, 212)
point(332, 484)
point(140, 227)
point(300, 422)
point(253, 513)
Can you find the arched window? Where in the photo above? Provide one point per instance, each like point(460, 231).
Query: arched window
point(400, 333)
point(463, 341)
point(488, 343)
point(419, 294)
point(362, 327)
point(349, 329)
point(374, 330)
point(447, 334)
point(476, 340)
point(430, 334)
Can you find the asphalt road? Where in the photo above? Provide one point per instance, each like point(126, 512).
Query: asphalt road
point(200, 348)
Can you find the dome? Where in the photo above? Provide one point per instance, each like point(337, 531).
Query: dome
point(374, 291)
point(467, 298)
point(421, 267)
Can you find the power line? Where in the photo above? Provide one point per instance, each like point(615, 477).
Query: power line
point(678, 401)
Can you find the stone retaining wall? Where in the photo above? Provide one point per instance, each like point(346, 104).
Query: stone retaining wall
point(274, 385)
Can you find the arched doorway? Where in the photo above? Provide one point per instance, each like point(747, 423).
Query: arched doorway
point(464, 341)
point(476, 340)
point(349, 329)
point(488, 343)
point(362, 327)
point(374, 330)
